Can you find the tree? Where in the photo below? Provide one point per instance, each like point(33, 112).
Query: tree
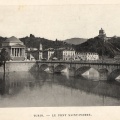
point(4, 57)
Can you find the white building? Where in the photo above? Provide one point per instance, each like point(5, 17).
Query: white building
point(66, 54)
point(69, 54)
point(87, 56)
point(92, 56)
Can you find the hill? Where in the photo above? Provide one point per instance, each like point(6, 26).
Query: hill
point(33, 41)
point(1, 40)
point(75, 41)
point(108, 48)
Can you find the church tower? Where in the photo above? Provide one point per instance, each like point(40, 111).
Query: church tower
point(40, 47)
point(101, 33)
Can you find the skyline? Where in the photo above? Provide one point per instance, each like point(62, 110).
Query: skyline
point(59, 21)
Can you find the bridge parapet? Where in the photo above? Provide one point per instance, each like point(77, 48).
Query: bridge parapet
point(109, 66)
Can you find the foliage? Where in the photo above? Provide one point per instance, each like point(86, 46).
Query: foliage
point(108, 48)
point(35, 42)
point(4, 55)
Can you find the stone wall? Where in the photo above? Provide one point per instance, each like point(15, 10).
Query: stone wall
point(14, 66)
point(21, 58)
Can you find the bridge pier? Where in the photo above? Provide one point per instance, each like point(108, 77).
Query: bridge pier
point(72, 71)
point(51, 69)
point(103, 74)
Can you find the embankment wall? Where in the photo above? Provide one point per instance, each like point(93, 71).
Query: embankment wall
point(14, 66)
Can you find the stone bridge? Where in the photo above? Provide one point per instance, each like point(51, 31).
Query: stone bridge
point(75, 66)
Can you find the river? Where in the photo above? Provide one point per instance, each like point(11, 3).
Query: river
point(40, 89)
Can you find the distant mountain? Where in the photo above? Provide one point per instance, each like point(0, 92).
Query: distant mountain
point(75, 41)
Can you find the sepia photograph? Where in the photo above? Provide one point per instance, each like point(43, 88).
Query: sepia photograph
point(59, 56)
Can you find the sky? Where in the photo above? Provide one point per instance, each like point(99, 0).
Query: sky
point(59, 21)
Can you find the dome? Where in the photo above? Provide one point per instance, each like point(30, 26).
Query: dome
point(12, 40)
point(101, 30)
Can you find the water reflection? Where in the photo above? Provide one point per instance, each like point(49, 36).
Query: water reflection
point(18, 89)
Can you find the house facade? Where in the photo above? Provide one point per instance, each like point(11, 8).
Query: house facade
point(48, 54)
point(87, 56)
point(34, 53)
point(66, 54)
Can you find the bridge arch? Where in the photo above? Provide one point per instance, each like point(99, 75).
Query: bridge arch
point(81, 70)
point(114, 75)
point(43, 67)
point(59, 68)
point(103, 70)
point(90, 72)
point(62, 64)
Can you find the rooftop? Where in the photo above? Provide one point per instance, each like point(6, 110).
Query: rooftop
point(66, 49)
point(50, 49)
point(18, 45)
point(12, 40)
point(87, 53)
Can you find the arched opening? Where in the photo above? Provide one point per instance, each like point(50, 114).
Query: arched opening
point(44, 67)
point(88, 73)
point(61, 69)
point(114, 75)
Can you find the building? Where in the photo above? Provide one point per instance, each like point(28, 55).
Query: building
point(48, 54)
point(34, 53)
point(15, 48)
point(92, 56)
point(80, 56)
point(102, 33)
point(87, 56)
point(65, 54)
